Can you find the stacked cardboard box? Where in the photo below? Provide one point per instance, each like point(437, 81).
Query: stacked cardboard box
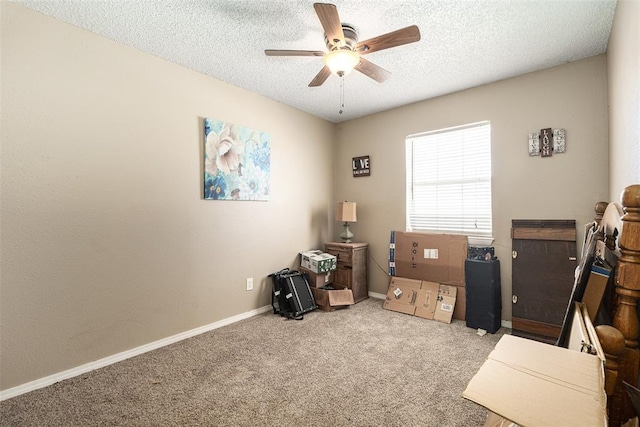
point(429, 259)
point(318, 261)
point(317, 280)
point(421, 298)
point(332, 297)
point(328, 295)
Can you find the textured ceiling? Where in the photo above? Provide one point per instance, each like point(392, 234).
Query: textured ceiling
point(464, 43)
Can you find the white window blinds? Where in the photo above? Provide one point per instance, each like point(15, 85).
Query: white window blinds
point(449, 180)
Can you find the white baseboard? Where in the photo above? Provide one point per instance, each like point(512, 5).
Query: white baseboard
point(109, 360)
point(377, 295)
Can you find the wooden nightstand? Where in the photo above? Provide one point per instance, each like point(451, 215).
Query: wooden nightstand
point(352, 267)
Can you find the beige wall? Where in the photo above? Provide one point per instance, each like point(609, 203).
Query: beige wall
point(106, 241)
point(564, 186)
point(623, 63)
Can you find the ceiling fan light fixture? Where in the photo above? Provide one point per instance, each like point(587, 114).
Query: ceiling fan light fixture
point(341, 61)
point(344, 53)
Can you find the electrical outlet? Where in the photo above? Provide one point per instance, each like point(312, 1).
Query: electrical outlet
point(250, 284)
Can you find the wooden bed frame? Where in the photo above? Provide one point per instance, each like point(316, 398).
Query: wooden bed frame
point(619, 244)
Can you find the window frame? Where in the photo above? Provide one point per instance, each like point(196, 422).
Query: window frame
point(475, 183)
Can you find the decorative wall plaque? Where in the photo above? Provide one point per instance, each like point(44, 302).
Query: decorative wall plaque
point(558, 141)
point(534, 144)
point(546, 145)
point(361, 166)
point(547, 142)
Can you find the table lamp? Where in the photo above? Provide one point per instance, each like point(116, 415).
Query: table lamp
point(346, 213)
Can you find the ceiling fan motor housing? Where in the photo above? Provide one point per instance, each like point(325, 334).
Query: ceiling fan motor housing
point(350, 38)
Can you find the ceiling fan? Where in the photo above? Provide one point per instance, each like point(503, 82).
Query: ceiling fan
point(344, 51)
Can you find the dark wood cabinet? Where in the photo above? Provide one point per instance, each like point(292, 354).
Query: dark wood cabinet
point(543, 268)
point(352, 267)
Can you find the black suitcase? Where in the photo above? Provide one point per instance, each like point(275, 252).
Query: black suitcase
point(291, 296)
point(483, 294)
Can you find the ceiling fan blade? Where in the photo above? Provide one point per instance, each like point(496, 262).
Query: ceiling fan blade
point(373, 71)
point(330, 20)
point(275, 52)
point(320, 77)
point(395, 38)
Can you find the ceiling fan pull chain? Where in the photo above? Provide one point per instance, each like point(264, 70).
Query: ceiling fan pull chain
point(341, 93)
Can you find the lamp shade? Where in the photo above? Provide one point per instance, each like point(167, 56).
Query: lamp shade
point(346, 212)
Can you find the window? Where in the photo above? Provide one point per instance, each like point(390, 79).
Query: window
point(449, 180)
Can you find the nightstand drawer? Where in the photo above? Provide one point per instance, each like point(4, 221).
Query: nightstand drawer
point(342, 254)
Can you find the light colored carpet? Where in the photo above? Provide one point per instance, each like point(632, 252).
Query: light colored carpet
point(361, 366)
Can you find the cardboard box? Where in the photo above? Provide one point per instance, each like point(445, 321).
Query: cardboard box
point(495, 420)
point(329, 300)
point(460, 310)
point(596, 286)
point(422, 298)
point(402, 295)
point(317, 280)
point(318, 262)
point(445, 304)
point(433, 257)
point(427, 299)
point(537, 384)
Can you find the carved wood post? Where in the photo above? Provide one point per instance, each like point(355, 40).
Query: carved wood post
point(628, 292)
point(612, 342)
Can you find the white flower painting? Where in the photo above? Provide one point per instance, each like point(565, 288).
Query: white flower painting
point(237, 162)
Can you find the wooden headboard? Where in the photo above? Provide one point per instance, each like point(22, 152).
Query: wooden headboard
point(619, 245)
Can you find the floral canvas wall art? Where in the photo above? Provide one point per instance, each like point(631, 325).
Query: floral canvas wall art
point(237, 162)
